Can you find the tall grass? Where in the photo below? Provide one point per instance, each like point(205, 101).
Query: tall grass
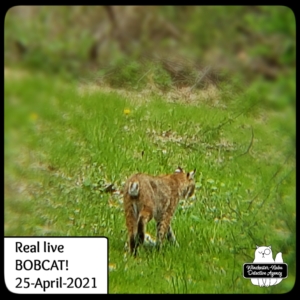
point(64, 147)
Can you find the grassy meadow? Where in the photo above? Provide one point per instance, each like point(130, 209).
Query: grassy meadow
point(66, 143)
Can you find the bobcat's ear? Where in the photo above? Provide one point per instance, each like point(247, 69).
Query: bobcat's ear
point(257, 247)
point(179, 170)
point(190, 175)
point(269, 247)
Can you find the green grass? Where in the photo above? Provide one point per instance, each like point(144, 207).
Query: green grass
point(63, 146)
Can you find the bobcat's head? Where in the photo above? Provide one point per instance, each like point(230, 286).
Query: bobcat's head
point(188, 182)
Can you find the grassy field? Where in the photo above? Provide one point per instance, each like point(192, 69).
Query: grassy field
point(65, 143)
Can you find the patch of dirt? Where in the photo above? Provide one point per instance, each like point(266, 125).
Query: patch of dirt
point(15, 74)
point(177, 95)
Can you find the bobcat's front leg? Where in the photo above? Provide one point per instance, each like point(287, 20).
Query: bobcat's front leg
point(170, 235)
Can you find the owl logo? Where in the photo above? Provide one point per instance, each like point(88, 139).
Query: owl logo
point(264, 254)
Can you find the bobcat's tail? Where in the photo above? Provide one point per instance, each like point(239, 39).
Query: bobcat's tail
point(134, 189)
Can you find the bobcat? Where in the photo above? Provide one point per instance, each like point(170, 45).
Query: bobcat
point(147, 197)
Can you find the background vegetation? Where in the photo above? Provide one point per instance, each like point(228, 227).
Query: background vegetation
point(212, 88)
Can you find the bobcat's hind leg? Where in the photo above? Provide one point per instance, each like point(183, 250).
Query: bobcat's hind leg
point(144, 218)
point(131, 223)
